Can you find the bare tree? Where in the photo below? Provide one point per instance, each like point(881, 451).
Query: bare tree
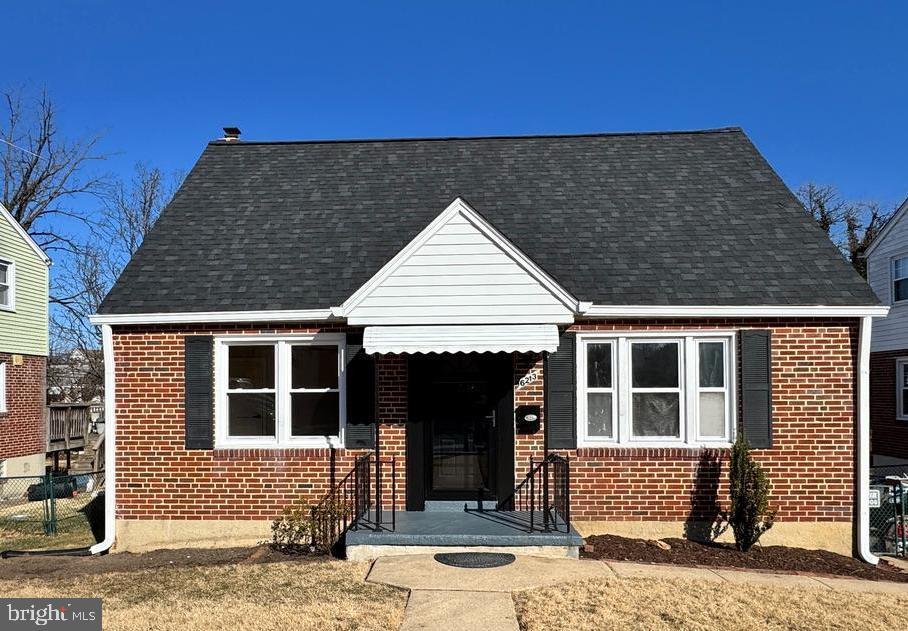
point(41, 174)
point(851, 226)
point(128, 212)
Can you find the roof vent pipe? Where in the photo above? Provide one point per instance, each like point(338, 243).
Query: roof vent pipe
point(231, 134)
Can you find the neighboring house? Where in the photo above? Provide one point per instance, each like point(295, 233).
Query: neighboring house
point(629, 301)
point(887, 273)
point(23, 349)
point(72, 377)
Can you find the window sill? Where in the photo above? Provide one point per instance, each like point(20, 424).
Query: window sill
point(314, 442)
point(654, 445)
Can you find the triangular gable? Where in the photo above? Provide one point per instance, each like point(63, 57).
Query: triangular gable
point(460, 270)
point(5, 215)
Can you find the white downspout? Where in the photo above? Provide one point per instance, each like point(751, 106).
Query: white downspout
point(110, 420)
point(863, 446)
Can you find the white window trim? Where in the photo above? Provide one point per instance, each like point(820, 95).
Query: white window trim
point(689, 387)
point(282, 390)
point(901, 364)
point(893, 279)
point(2, 387)
point(11, 282)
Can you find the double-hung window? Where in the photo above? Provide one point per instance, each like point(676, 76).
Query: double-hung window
point(901, 388)
point(900, 279)
point(7, 285)
point(654, 389)
point(279, 391)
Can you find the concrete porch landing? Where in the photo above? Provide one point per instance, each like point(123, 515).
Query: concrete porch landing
point(419, 532)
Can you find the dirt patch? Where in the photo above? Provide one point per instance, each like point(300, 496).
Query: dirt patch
point(767, 558)
point(66, 566)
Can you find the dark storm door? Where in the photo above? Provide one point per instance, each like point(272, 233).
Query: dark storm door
point(460, 408)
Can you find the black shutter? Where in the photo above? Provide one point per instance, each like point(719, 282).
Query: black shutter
point(361, 401)
point(560, 395)
point(756, 391)
point(198, 392)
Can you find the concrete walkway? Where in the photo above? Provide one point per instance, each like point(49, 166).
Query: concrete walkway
point(460, 599)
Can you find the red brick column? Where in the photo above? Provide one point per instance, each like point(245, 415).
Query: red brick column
point(22, 425)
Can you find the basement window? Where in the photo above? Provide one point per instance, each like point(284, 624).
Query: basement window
point(283, 391)
point(648, 389)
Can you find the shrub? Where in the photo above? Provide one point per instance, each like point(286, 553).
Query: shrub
point(292, 531)
point(749, 516)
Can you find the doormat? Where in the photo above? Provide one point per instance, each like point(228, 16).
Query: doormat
point(474, 559)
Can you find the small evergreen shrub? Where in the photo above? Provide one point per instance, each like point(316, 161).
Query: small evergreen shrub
point(749, 516)
point(292, 531)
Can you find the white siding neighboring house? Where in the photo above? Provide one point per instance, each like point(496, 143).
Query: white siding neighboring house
point(887, 273)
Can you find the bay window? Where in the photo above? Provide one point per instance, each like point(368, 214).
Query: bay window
point(649, 389)
point(283, 391)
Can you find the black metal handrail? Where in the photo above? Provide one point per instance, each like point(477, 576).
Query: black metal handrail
point(545, 493)
point(353, 503)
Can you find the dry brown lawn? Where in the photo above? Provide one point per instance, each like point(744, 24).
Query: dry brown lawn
point(293, 595)
point(671, 604)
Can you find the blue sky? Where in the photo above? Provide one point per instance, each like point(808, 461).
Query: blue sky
point(821, 87)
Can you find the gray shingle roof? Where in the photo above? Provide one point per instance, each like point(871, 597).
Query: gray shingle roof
point(679, 218)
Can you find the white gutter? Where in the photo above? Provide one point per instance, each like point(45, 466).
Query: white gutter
point(652, 311)
point(197, 317)
point(110, 421)
point(863, 440)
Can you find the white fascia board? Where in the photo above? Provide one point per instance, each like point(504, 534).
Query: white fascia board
point(459, 206)
point(740, 311)
point(292, 315)
point(896, 217)
point(5, 214)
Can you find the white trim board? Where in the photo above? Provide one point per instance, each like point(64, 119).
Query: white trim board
point(740, 311)
point(896, 217)
point(5, 214)
point(195, 317)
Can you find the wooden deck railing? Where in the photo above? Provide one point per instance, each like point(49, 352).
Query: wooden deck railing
point(67, 425)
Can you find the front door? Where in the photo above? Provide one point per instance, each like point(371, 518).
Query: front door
point(460, 414)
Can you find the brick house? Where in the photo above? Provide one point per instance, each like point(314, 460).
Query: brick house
point(887, 273)
point(617, 306)
point(23, 349)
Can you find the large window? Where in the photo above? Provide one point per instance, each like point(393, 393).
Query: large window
point(279, 391)
point(901, 388)
point(655, 389)
point(7, 285)
point(900, 279)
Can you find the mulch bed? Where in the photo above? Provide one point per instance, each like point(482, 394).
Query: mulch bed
point(716, 555)
point(64, 566)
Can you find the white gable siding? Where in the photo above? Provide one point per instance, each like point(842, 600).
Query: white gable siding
point(889, 333)
point(459, 275)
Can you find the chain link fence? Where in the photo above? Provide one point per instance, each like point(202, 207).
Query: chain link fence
point(888, 508)
point(51, 511)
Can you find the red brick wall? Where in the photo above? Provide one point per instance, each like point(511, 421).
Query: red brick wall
point(888, 435)
point(22, 426)
point(810, 466)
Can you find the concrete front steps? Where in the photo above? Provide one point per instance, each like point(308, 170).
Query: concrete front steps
point(430, 532)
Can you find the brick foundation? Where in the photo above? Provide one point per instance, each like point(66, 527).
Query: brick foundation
point(888, 435)
point(810, 466)
point(22, 425)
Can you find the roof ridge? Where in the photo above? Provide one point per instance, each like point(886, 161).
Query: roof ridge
point(677, 132)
